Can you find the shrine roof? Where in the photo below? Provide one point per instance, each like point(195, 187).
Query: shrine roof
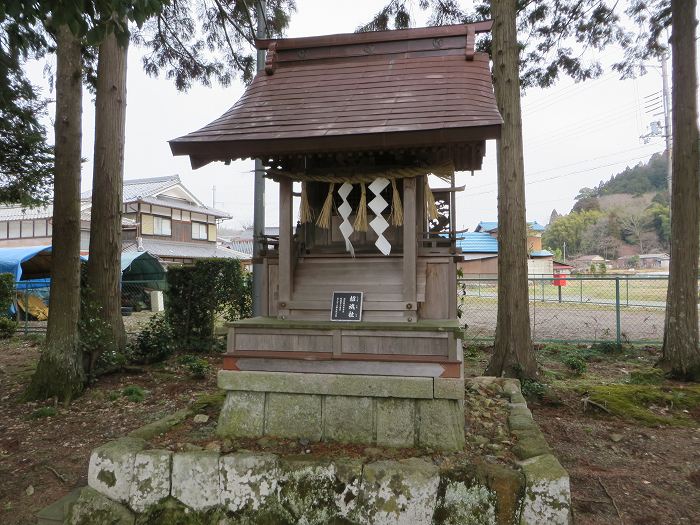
point(413, 88)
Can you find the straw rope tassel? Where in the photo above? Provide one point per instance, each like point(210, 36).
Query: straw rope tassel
point(396, 207)
point(306, 214)
point(430, 202)
point(324, 219)
point(360, 223)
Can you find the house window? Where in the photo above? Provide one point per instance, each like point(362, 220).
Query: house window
point(3, 230)
point(177, 215)
point(199, 231)
point(161, 226)
point(14, 229)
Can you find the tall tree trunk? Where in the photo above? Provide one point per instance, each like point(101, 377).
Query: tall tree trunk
point(104, 269)
point(681, 356)
point(513, 352)
point(60, 372)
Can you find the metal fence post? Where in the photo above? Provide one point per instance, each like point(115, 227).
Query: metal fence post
point(617, 310)
point(26, 310)
point(581, 281)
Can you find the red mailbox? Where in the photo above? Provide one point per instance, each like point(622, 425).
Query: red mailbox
point(559, 279)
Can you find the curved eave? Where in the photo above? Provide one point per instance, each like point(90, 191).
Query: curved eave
point(204, 150)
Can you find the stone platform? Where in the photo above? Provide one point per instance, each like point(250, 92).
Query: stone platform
point(386, 411)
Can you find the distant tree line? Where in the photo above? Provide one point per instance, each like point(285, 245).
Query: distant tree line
point(592, 229)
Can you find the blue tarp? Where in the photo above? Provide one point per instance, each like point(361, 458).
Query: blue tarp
point(11, 259)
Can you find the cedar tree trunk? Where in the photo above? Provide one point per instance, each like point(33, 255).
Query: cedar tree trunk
point(59, 372)
point(104, 268)
point(513, 352)
point(681, 356)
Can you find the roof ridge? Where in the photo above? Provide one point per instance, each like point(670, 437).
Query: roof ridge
point(151, 180)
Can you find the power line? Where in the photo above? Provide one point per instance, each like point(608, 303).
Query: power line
point(546, 179)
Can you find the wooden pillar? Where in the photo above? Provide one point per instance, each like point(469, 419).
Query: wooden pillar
point(409, 248)
point(285, 248)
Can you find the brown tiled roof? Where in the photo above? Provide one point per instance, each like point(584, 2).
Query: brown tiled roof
point(357, 92)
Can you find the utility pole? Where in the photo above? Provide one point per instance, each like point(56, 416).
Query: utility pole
point(213, 196)
point(259, 186)
point(668, 133)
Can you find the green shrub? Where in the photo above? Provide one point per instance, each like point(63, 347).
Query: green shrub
point(43, 412)
point(197, 294)
point(8, 327)
point(134, 393)
point(7, 292)
point(154, 342)
point(197, 367)
point(575, 364)
point(532, 388)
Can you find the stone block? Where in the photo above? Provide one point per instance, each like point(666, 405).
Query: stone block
point(151, 481)
point(348, 419)
point(111, 468)
point(531, 443)
point(93, 508)
point(445, 388)
point(547, 498)
point(293, 416)
point(396, 422)
point(440, 424)
point(247, 480)
point(327, 384)
point(398, 492)
point(195, 479)
point(242, 415)
point(465, 502)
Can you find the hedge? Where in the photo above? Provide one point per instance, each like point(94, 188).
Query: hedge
point(199, 294)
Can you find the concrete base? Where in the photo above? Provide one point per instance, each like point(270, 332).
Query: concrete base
point(387, 411)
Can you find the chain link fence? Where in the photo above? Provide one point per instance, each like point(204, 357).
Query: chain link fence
point(575, 309)
point(31, 305)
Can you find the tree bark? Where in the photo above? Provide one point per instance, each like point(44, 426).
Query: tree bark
point(680, 355)
point(104, 268)
point(59, 372)
point(513, 352)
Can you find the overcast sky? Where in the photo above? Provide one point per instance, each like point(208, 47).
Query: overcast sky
point(575, 134)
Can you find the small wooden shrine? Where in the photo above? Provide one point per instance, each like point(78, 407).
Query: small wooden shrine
point(359, 339)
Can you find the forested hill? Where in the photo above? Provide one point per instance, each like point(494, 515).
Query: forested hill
point(628, 214)
point(642, 178)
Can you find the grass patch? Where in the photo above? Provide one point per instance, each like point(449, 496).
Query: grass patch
point(43, 412)
point(647, 376)
point(209, 401)
point(648, 404)
point(134, 393)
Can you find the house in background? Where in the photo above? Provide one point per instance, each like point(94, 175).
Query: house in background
point(21, 226)
point(655, 261)
point(171, 223)
point(583, 263)
point(480, 250)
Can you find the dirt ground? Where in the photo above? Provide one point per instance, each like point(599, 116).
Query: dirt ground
point(44, 458)
point(622, 470)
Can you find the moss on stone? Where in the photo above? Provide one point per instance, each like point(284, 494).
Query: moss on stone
point(161, 426)
point(92, 508)
point(107, 477)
